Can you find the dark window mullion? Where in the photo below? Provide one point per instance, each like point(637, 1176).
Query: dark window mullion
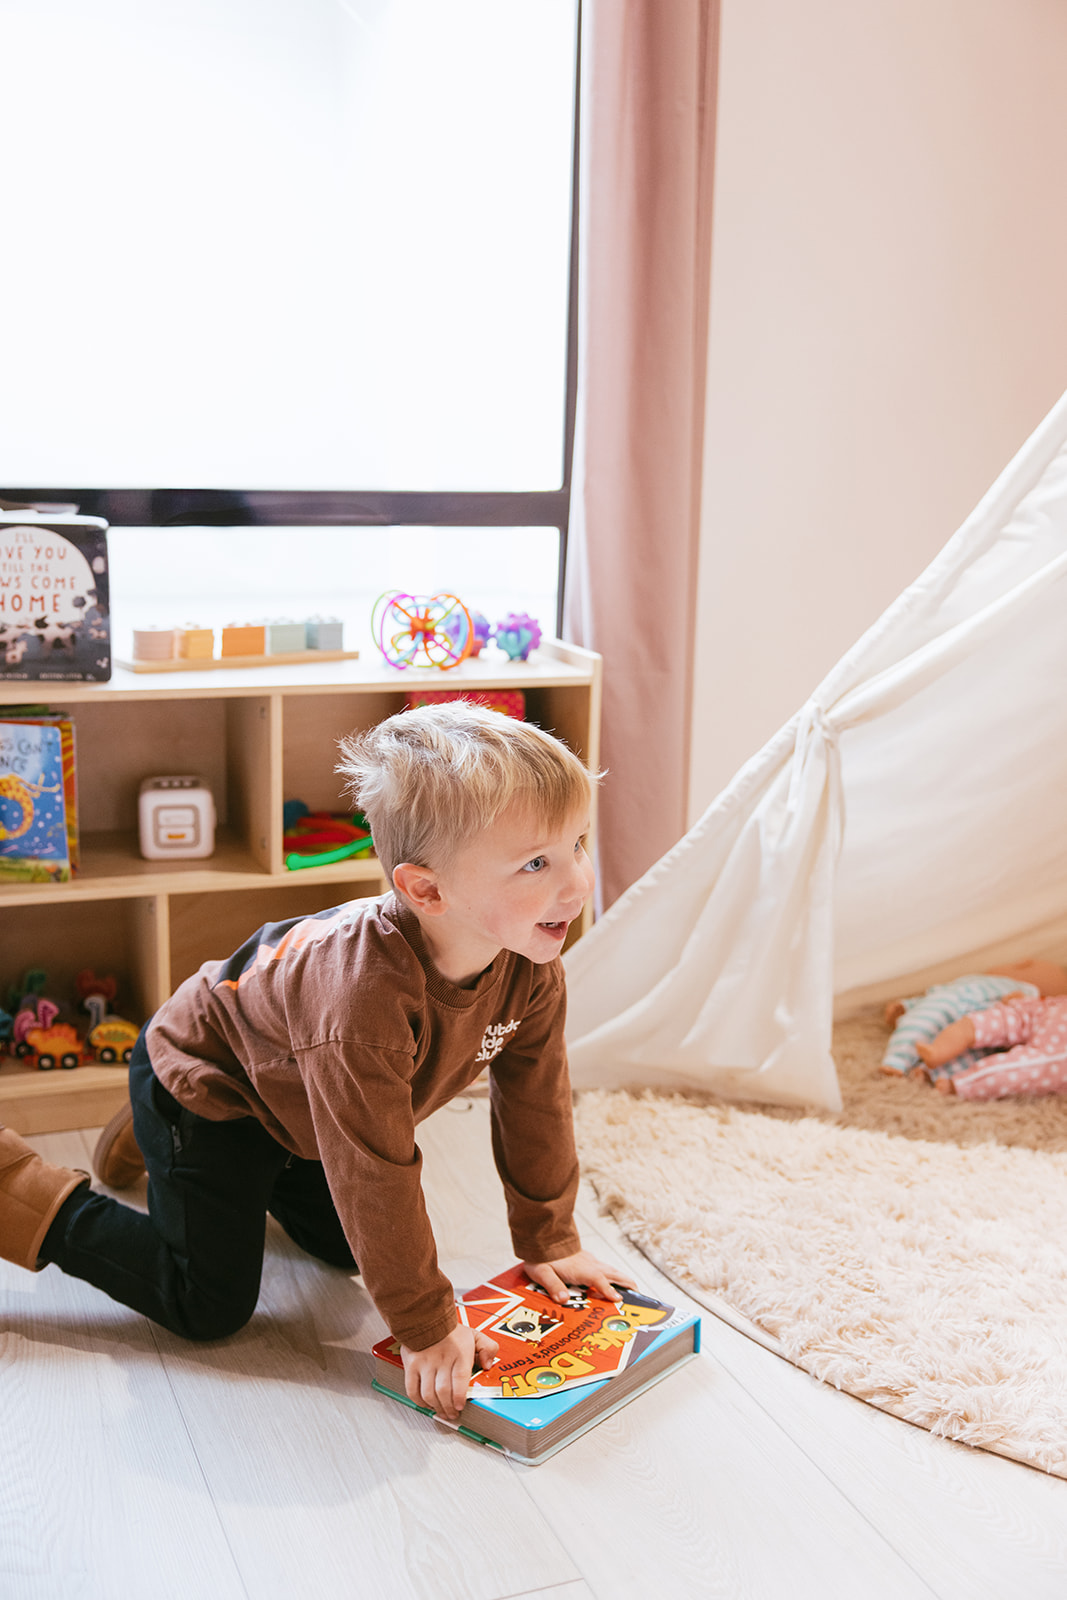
point(163, 508)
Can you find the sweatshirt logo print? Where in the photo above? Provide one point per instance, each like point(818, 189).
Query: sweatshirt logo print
point(493, 1040)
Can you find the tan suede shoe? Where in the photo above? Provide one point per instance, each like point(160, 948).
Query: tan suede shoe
point(31, 1192)
point(117, 1161)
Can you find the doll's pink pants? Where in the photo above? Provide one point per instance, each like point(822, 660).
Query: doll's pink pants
point(1035, 1060)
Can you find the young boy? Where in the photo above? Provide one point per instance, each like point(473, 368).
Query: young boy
point(289, 1078)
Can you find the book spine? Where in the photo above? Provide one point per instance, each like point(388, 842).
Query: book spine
point(425, 1411)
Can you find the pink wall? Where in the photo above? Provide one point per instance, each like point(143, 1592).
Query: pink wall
point(888, 321)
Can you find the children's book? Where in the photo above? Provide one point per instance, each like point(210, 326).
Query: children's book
point(54, 602)
point(560, 1368)
point(33, 814)
point(65, 724)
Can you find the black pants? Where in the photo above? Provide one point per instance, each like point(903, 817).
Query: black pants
point(194, 1263)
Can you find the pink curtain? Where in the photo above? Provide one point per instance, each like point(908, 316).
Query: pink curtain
point(648, 101)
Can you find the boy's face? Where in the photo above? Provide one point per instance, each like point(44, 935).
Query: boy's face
point(518, 887)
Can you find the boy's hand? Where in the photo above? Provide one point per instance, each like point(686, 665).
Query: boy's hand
point(440, 1375)
point(554, 1276)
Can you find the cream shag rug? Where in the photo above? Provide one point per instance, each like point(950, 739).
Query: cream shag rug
point(911, 1250)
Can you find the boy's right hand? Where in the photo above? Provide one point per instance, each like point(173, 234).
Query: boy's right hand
point(440, 1375)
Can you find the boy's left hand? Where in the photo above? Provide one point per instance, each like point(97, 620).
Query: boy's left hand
point(554, 1276)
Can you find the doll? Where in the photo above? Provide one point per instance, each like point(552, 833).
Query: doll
point(921, 1018)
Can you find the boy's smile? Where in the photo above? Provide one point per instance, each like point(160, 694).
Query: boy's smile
point(518, 887)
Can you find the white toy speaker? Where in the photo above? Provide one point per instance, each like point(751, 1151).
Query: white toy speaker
point(177, 819)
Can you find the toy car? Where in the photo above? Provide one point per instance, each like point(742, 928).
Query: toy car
point(58, 1045)
point(113, 1039)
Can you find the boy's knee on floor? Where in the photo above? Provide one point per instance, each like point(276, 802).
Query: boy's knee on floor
point(205, 1322)
point(208, 1330)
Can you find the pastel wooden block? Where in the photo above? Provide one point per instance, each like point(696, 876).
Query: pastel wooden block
point(285, 637)
point(328, 634)
point(248, 639)
point(154, 644)
point(196, 643)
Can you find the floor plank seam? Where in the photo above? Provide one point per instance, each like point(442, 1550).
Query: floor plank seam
point(208, 1495)
point(549, 1588)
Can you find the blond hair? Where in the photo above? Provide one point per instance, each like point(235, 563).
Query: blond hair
point(430, 779)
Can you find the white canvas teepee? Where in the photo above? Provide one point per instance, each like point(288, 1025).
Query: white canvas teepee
point(911, 816)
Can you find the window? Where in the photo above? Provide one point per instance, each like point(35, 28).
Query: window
point(304, 266)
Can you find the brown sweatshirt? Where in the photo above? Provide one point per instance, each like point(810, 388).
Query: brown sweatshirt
point(337, 1032)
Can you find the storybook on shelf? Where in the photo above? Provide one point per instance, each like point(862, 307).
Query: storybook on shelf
point(54, 596)
point(38, 803)
point(560, 1368)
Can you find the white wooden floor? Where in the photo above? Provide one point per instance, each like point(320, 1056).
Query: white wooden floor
point(136, 1467)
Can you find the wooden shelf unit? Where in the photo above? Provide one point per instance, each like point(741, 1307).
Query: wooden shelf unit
point(257, 737)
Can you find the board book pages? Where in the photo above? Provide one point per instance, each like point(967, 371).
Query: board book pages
point(38, 807)
point(560, 1368)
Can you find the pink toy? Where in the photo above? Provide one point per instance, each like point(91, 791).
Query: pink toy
point(420, 630)
point(35, 1012)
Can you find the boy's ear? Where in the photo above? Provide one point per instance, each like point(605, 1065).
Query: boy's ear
point(420, 888)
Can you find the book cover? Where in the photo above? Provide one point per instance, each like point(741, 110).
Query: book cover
point(33, 820)
point(65, 724)
point(54, 598)
point(560, 1368)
